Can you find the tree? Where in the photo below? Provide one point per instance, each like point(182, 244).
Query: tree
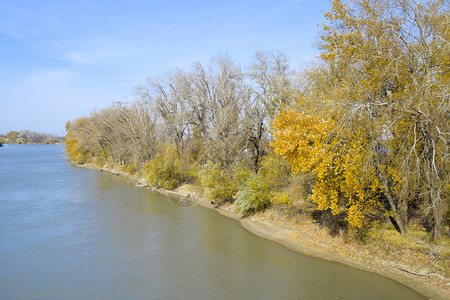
point(221, 86)
point(77, 138)
point(345, 181)
point(202, 112)
point(273, 78)
point(389, 68)
point(12, 136)
point(167, 97)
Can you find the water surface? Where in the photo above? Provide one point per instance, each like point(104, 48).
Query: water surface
point(68, 233)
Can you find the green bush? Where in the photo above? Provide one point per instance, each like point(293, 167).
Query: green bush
point(254, 195)
point(241, 173)
point(164, 173)
point(218, 185)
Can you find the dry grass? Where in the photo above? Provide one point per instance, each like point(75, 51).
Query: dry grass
point(415, 251)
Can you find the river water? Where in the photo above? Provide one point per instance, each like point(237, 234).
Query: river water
point(69, 233)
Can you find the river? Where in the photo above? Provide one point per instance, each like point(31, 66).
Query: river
point(69, 233)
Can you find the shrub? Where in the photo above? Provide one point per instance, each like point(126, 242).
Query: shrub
point(130, 168)
point(282, 198)
point(164, 172)
point(241, 173)
point(256, 190)
point(218, 185)
point(77, 153)
point(254, 195)
point(283, 202)
point(275, 171)
point(189, 169)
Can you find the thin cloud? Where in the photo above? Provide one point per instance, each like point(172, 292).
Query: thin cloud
point(61, 58)
point(284, 6)
point(94, 50)
point(49, 77)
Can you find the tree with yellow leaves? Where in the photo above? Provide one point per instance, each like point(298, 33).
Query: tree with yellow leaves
point(345, 181)
point(384, 85)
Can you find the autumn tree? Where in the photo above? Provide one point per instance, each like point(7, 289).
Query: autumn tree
point(384, 73)
point(12, 136)
point(77, 141)
point(345, 181)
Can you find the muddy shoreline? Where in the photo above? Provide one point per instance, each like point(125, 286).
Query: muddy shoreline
point(295, 240)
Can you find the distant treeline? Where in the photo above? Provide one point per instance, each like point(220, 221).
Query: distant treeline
point(359, 138)
point(30, 137)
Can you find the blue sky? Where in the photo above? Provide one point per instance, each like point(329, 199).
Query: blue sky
point(62, 59)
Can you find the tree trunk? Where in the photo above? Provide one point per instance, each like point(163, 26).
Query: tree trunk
point(399, 217)
point(435, 202)
point(438, 227)
point(256, 159)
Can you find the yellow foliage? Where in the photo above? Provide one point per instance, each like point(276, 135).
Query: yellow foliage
point(300, 139)
point(218, 184)
point(345, 181)
point(165, 171)
point(281, 198)
point(77, 153)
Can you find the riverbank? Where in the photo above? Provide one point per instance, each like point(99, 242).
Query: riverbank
point(407, 267)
